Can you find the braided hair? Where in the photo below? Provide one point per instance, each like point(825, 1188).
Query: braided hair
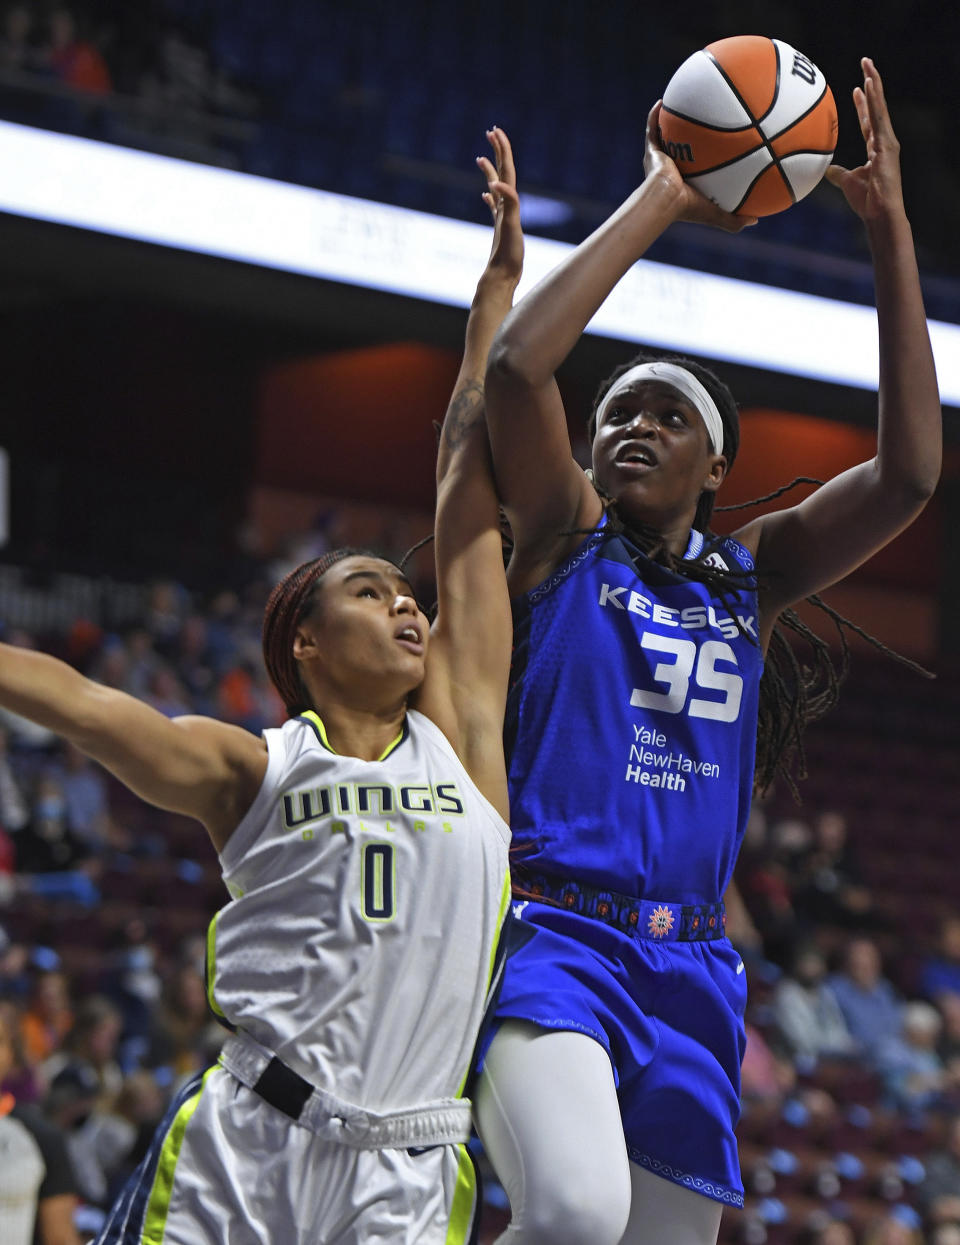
point(290, 602)
point(793, 692)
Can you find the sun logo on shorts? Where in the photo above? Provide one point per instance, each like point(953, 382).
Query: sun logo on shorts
point(661, 922)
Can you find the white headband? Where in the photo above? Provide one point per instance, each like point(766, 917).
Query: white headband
point(684, 382)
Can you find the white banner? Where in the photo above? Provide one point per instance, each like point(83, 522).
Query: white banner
point(134, 194)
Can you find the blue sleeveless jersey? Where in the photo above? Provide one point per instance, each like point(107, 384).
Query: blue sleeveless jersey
point(632, 719)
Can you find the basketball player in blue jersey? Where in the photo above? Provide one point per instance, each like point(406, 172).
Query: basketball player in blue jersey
point(611, 1088)
point(364, 845)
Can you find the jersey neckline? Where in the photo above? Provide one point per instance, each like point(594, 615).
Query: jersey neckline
point(313, 719)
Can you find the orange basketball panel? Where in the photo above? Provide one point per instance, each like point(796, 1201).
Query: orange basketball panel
point(750, 61)
point(770, 194)
point(817, 131)
point(696, 148)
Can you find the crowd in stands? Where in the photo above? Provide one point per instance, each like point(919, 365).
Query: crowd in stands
point(851, 1079)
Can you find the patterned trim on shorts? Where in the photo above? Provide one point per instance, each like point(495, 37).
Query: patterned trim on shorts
point(659, 920)
point(718, 1192)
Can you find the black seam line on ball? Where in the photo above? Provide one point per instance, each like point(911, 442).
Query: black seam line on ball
point(764, 141)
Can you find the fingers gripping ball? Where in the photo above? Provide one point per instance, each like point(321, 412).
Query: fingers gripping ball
point(751, 123)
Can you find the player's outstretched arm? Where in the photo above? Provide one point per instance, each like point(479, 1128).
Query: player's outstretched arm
point(491, 302)
point(811, 546)
point(191, 765)
point(466, 683)
point(543, 490)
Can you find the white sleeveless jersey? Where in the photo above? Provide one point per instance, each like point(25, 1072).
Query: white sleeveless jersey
point(367, 903)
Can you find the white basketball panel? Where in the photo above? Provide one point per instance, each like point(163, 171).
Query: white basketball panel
point(698, 89)
point(727, 186)
point(801, 85)
point(803, 170)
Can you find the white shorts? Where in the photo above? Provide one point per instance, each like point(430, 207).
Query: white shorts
point(226, 1168)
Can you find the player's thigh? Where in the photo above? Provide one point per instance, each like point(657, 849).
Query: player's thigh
point(663, 1211)
point(548, 1115)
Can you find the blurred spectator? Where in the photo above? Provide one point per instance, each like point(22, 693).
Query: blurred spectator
point(112, 1140)
point(769, 1085)
point(940, 1191)
point(165, 614)
point(867, 999)
point(14, 977)
point(102, 1135)
point(949, 1047)
point(912, 1072)
point(766, 1075)
point(112, 667)
point(85, 796)
point(246, 697)
point(142, 662)
point(830, 888)
point(14, 810)
point(17, 49)
point(185, 1037)
point(8, 868)
point(765, 879)
point(91, 1044)
point(38, 1189)
point(941, 972)
point(73, 58)
point(69, 1104)
point(21, 1079)
point(133, 984)
point(49, 1016)
point(807, 1013)
point(946, 1234)
point(83, 642)
point(834, 1233)
point(893, 1229)
point(223, 621)
point(166, 693)
point(181, 75)
point(194, 664)
point(47, 845)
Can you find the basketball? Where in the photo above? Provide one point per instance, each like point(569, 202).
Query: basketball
point(751, 123)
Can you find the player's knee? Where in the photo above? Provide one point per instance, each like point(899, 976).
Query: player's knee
point(578, 1213)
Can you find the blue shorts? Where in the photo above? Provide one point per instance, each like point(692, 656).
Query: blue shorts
point(669, 1015)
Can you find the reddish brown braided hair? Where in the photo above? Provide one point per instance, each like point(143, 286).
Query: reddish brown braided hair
point(289, 603)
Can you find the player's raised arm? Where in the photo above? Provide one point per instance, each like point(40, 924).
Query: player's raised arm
point(543, 490)
point(465, 687)
point(191, 765)
point(812, 545)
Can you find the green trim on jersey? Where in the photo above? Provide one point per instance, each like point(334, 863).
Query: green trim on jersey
point(211, 964)
point(464, 1204)
point(311, 716)
point(505, 898)
point(158, 1205)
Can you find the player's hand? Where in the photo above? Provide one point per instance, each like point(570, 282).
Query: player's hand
point(506, 251)
point(691, 204)
point(874, 189)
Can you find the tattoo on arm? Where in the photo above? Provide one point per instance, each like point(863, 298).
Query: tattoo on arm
point(464, 411)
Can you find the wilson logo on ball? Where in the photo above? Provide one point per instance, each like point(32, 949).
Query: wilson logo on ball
point(681, 152)
point(752, 123)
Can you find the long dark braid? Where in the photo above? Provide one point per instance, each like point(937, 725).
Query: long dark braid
point(793, 691)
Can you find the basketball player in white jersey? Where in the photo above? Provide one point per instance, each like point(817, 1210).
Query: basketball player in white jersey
point(364, 845)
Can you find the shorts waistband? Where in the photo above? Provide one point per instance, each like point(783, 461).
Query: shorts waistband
point(444, 1122)
point(656, 919)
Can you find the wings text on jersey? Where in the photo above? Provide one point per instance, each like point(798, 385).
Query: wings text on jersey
point(372, 800)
